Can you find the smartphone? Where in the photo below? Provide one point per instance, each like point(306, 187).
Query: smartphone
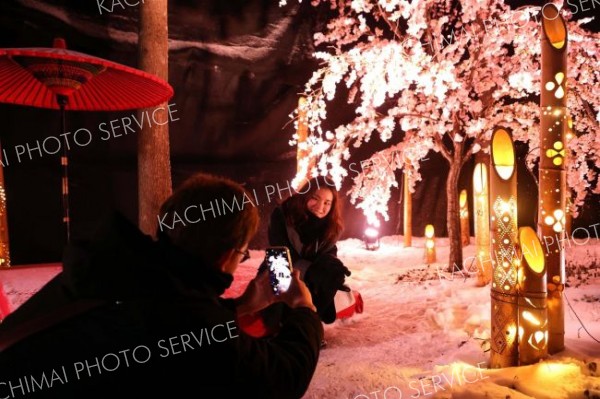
point(279, 264)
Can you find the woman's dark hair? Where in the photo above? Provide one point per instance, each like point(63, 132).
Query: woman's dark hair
point(296, 211)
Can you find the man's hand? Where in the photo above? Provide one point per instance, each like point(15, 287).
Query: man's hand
point(257, 296)
point(298, 295)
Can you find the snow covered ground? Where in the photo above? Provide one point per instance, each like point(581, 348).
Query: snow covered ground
point(422, 333)
point(422, 336)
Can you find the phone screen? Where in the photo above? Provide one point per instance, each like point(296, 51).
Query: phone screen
point(280, 268)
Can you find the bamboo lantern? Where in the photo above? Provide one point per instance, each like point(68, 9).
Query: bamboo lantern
point(533, 315)
point(430, 256)
point(4, 247)
point(465, 230)
point(407, 208)
point(481, 223)
point(503, 233)
point(552, 179)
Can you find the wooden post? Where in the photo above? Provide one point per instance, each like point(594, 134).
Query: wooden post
point(503, 232)
point(568, 194)
point(552, 175)
point(154, 163)
point(407, 208)
point(303, 164)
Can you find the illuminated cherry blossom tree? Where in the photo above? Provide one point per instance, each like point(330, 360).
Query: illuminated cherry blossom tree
point(440, 75)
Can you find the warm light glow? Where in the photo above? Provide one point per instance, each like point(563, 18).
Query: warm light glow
point(557, 220)
point(554, 26)
point(371, 237)
point(537, 340)
point(503, 154)
point(480, 178)
point(551, 371)
point(521, 331)
point(534, 255)
point(504, 208)
point(463, 198)
point(557, 153)
point(560, 91)
point(512, 333)
point(559, 77)
point(539, 336)
point(430, 255)
point(371, 232)
point(429, 231)
point(530, 318)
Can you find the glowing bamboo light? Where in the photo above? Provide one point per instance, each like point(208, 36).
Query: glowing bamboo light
point(430, 256)
point(503, 232)
point(533, 316)
point(482, 221)
point(465, 233)
point(407, 219)
point(552, 179)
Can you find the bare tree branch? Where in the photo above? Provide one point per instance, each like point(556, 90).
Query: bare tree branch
point(393, 28)
point(442, 147)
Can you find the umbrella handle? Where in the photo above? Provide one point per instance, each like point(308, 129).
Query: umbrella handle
point(62, 102)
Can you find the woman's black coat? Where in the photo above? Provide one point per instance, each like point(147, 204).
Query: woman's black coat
point(322, 271)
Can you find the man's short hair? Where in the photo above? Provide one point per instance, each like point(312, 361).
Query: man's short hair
point(216, 216)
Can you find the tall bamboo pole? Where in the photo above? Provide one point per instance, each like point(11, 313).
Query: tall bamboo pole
point(154, 163)
point(533, 315)
point(465, 229)
point(481, 210)
point(503, 232)
point(552, 179)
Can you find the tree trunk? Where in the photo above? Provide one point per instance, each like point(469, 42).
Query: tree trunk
point(455, 258)
point(154, 164)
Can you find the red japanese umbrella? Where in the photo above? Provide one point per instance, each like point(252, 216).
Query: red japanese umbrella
point(62, 79)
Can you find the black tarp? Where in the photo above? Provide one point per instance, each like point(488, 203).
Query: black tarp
point(237, 67)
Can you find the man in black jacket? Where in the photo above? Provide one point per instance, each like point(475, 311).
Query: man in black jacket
point(133, 317)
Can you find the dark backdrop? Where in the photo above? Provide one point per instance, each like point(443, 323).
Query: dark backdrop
point(237, 68)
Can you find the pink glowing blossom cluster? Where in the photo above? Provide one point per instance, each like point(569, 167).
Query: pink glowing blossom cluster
point(440, 75)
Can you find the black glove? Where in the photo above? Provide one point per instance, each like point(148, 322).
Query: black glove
point(345, 288)
point(341, 272)
point(324, 278)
